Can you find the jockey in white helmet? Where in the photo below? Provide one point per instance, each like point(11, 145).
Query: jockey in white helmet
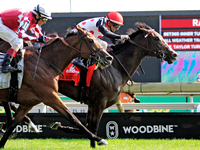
point(103, 26)
point(13, 26)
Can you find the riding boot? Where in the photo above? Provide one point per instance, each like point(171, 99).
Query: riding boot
point(79, 63)
point(6, 67)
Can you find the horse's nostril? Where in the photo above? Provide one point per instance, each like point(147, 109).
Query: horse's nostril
point(175, 55)
point(109, 58)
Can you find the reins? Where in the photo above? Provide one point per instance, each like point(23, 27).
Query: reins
point(79, 50)
point(122, 66)
point(68, 45)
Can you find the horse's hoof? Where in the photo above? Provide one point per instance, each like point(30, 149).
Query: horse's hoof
point(33, 127)
point(102, 142)
point(55, 125)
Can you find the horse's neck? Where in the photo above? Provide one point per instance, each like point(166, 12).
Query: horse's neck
point(59, 55)
point(130, 59)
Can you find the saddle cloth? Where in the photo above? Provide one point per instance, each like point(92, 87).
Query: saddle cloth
point(72, 73)
point(5, 77)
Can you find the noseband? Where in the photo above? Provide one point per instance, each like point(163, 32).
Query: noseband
point(158, 52)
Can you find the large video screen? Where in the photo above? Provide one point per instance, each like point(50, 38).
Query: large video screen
point(185, 69)
point(182, 33)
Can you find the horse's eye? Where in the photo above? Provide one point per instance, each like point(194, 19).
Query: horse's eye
point(156, 39)
point(91, 41)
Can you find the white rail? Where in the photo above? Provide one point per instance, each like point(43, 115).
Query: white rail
point(176, 88)
point(144, 89)
point(77, 107)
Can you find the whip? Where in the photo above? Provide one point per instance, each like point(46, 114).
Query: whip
point(40, 49)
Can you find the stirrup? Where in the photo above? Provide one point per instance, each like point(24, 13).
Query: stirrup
point(8, 68)
point(80, 64)
point(55, 125)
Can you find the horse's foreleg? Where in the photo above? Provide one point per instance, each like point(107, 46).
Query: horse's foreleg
point(93, 119)
point(66, 129)
point(60, 107)
point(88, 125)
point(32, 126)
point(19, 115)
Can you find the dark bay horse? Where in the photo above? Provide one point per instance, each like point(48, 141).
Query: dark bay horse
point(44, 88)
point(106, 84)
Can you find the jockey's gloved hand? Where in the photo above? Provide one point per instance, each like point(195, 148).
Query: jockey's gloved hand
point(110, 45)
point(125, 37)
point(41, 39)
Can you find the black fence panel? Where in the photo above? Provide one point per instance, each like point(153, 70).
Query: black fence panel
point(119, 125)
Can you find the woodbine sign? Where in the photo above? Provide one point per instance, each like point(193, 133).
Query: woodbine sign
point(119, 125)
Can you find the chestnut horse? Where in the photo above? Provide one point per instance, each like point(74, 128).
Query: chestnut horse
point(44, 88)
point(106, 84)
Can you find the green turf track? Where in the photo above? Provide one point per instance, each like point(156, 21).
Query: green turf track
point(116, 144)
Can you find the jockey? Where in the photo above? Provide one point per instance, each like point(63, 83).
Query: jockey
point(13, 26)
point(103, 26)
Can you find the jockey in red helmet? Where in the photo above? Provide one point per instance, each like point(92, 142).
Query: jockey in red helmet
point(103, 26)
point(19, 21)
point(116, 18)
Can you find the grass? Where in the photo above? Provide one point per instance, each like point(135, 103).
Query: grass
point(116, 144)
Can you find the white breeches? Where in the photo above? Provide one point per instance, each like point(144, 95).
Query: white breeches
point(10, 36)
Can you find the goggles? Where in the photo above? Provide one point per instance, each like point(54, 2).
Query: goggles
point(44, 19)
point(116, 26)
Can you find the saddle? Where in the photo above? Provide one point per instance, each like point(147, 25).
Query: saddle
point(80, 76)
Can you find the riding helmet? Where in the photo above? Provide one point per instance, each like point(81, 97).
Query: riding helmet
point(41, 11)
point(116, 18)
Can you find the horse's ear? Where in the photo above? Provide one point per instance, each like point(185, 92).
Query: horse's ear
point(142, 29)
point(78, 27)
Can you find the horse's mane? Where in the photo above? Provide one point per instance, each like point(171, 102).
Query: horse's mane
point(132, 33)
point(142, 25)
point(69, 32)
point(56, 38)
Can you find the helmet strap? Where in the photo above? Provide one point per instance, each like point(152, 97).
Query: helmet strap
point(37, 20)
point(110, 26)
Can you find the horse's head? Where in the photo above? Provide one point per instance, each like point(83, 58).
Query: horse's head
point(155, 45)
point(90, 45)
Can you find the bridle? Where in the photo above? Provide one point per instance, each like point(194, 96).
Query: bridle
point(82, 38)
point(160, 54)
point(93, 55)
